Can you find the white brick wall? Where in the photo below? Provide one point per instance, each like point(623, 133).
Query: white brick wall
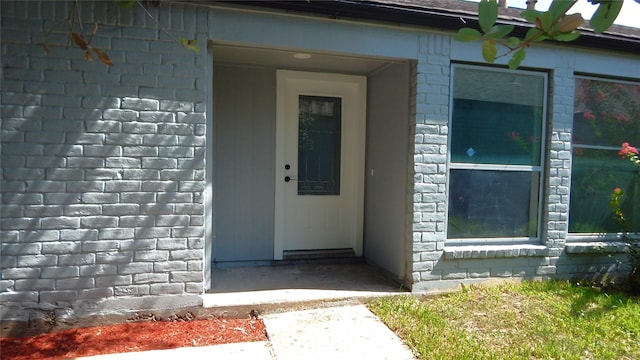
point(433, 265)
point(430, 157)
point(102, 167)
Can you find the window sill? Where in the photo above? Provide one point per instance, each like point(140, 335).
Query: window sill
point(493, 251)
point(596, 247)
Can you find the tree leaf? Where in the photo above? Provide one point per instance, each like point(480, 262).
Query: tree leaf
point(546, 21)
point(487, 14)
point(467, 35)
point(570, 22)
point(517, 59)
point(489, 51)
point(79, 40)
point(87, 55)
point(567, 36)
point(512, 42)
point(542, 38)
point(606, 14)
point(560, 7)
point(533, 33)
point(190, 44)
point(125, 4)
point(499, 31)
point(103, 56)
point(531, 15)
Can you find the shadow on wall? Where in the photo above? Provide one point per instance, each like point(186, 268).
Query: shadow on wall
point(477, 269)
point(102, 167)
point(600, 269)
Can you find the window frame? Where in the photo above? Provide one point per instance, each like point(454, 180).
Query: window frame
point(592, 237)
point(536, 198)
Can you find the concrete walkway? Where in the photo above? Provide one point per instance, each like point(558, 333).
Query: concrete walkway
point(344, 332)
point(347, 332)
point(311, 311)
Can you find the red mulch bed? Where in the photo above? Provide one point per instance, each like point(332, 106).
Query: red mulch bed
point(129, 337)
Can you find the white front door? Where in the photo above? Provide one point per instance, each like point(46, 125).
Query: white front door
point(320, 135)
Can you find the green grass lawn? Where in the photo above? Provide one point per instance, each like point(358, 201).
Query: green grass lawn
point(528, 320)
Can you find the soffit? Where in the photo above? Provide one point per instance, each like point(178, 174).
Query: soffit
point(284, 59)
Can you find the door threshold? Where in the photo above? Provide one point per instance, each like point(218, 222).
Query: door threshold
point(323, 260)
point(318, 254)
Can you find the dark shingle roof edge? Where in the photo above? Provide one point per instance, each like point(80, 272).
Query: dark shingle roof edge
point(442, 14)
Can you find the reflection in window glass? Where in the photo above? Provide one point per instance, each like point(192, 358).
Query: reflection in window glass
point(497, 127)
point(485, 132)
point(485, 203)
point(319, 124)
point(606, 115)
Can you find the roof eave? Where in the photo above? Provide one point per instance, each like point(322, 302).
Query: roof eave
point(433, 18)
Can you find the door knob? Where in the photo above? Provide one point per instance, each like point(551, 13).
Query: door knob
point(288, 178)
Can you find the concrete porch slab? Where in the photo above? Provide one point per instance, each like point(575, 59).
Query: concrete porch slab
point(263, 288)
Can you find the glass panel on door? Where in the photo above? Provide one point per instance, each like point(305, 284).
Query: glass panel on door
point(319, 148)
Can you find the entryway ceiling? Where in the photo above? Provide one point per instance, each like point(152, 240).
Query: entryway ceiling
point(284, 59)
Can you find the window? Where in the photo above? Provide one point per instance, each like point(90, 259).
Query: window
point(606, 114)
point(495, 172)
point(319, 137)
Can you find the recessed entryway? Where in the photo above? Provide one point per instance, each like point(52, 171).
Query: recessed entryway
point(367, 162)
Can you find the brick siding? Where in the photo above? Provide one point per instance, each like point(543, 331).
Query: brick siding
point(102, 167)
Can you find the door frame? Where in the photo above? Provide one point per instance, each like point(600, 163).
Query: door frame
point(357, 86)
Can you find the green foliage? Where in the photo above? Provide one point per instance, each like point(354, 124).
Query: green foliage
point(606, 14)
point(499, 31)
point(570, 36)
point(534, 34)
point(630, 153)
point(517, 58)
point(528, 320)
point(557, 8)
point(616, 207)
point(487, 14)
point(468, 34)
point(489, 50)
point(190, 44)
point(553, 24)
